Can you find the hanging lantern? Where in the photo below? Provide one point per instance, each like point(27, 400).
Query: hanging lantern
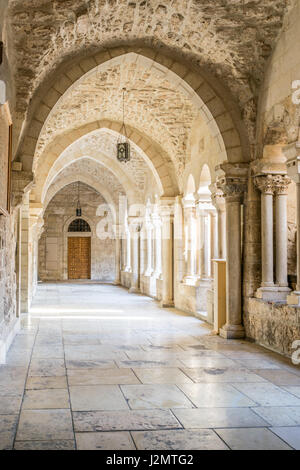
point(123, 146)
point(78, 208)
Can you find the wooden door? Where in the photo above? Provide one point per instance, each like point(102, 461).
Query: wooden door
point(79, 257)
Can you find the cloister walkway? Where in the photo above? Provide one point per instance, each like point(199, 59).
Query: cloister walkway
point(95, 367)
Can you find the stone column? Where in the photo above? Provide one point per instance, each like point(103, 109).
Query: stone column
point(117, 280)
point(265, 184)
point(270, 185)
point(203, 240)
point(149, 229)
point(214, 251)
point(167, 217)
point(157, 245)
point(293, 168)
point(233, 185)
point(128, 250)
point(189, 218)
point(25, 255)
point(219, 203)
point(281, 189)
point(134, 227)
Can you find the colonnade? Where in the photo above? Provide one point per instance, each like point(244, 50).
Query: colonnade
point(205, 238)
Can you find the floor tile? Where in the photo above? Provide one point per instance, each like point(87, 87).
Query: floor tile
point(222, 375)
point(104, 441)
point(267, 394)
point(207, 395)
point(147, 364)
point(91, 364)
point(163, 375)
point(202, 439)
point(218, 418)
point(8, 426)
point(46, 399)
point(97, 397)
point(47, 367)
point(291, 435)
point(101, 376)
point(293, 390)
point(207, 362)
point(280, 377)
point(124, 420)
point(45, 425)
point(279, 415)
point(10, 405)
point(41, 383)
point(155, 396)
point(45, 445)
point(252, 439)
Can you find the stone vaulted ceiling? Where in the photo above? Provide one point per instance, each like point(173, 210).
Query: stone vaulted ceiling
point(153, 105)
point(91, 171)
point(231, 39)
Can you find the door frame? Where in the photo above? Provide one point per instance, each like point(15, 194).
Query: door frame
point(80, 235)
point(67, 234)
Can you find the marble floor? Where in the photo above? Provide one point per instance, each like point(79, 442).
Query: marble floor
point(97, 368)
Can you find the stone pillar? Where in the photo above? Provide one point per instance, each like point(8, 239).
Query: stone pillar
point(157, 245)
point(189, 218)
point(214, 247)
point(293, 168)
point(117, 280)
point(203, 208)
point(149, 229)
point(266, 185)
point(219, 203)
point(233, 185)
point(270, 185)
point(281, 189)
point(25, 255)
point(167, 217)
point(128, 250)
point(134, 227)
point(18, 263)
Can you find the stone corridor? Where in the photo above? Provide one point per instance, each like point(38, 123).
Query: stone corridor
point(97, 368)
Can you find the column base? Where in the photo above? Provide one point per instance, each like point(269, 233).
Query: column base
point(134, 290)
point(232, 332)
point(166, 304)
point(272, 293)
point(294, 298)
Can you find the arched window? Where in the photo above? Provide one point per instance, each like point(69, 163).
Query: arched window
point(79, 225)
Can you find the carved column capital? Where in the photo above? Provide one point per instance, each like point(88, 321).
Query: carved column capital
point(265, 183)
point(233, 189)
point(281, 184)
point(272, 184)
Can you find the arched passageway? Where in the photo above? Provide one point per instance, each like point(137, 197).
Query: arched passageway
point(194, 224)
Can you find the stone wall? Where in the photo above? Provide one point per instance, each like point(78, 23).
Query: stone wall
point(8, 308)
point(272, 324)
point(59, 213)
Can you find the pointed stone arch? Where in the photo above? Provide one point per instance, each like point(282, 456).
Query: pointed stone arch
point(220, 112)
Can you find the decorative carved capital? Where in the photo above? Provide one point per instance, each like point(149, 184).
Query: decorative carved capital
point(281, 183)
point(233, 189)
point(272, 184)
point(265, 183)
